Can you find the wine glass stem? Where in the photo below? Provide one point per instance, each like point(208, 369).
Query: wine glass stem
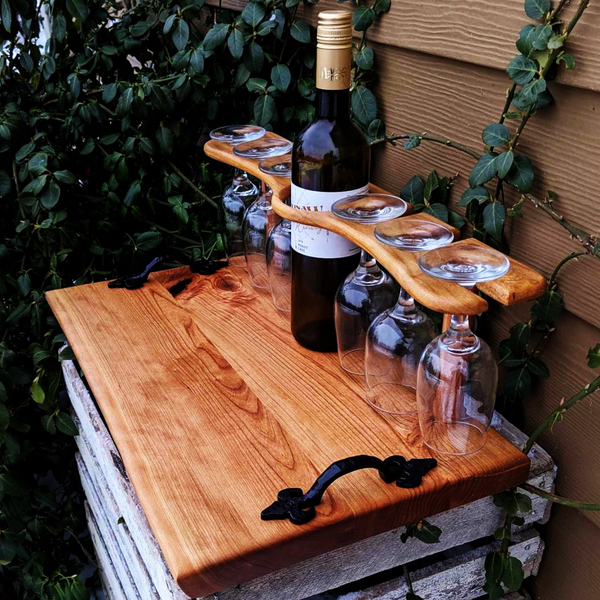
point(368, 272)
point(459, 338)
point(405, 307)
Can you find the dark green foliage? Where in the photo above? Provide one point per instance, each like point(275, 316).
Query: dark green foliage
point(101, 169)
point(423, 531)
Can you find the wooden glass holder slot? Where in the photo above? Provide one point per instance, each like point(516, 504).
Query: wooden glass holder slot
point(520, 284)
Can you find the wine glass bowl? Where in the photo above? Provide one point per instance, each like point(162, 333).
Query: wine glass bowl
point(397, 337)
point(279, 265)
point(414, 235)
point(280, 166)
point(458, 375)
point(237, 134)
point(369, 208)
point(465, 264)
point(263, 148)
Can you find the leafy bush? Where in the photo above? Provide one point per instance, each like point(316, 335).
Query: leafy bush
point(102, 123)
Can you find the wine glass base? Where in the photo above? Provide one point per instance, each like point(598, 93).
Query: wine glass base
point(353, 361)
point(458, 438)
point(393, 399)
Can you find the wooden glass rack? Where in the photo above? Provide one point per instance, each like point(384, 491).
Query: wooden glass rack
point(520, 284)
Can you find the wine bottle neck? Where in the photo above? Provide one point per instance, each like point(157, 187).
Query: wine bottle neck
point(332, 104)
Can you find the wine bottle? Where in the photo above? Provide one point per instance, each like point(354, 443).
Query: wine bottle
point(330, 161)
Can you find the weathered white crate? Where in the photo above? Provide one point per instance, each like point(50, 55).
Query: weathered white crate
point(133, 566)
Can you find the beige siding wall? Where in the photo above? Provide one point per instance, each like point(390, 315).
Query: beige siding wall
point(441, 66)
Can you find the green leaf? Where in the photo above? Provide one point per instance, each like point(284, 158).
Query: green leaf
point(109, 92)
point(521, 69)
point(197, 61)
point(494, 216)
point(264, 109)
point(164, 137)
point(37, 164)
point(437, 210)
point(254, 57)
point(496, 135)
point(502, 533)
point(516, 210)
point(525, 42)
point(124, 103)
point(455, 220)
point(132, 193)
point(512, 576)
point(567, 59)
point(281, 77)
point(256, 84)
point(513, 114)
point(537, 367)
point(215, 36)
point(147, 145)
point(65, 424)
point(376, 130)
point(24, 151)
point(541, 36)
point(431, 184)
point(5, 183)
point(556, 41)
point(494, 565)
point(6, 15)
point(169, 23)
point(265, 27)
point(479, 193)
point(413, 191)
point(382, 6)
point(494, 590)
point(36, 186)
point(12, 486)
point(412, 142)
point(181, 213)
point(59, 27)
point(521, 174)
point(517, 385)
point(253, 13)
point(24, 284)
point(364, 58)
point(427, 533)
point(141, 28)
point(536, 9)
point(3, 398)
point(109, 50)
point(363, 18)
point(530, 92)
point(37, 392)
point(235, 43)
point(79, 9)
point(364, 105)
point(593, 357)
point(48, 424)
point(520, 334)
point(8, 549)
point(147, 241)
point(505, 161)
point(547, 307)
point(66, 353)
point(241, 75)
point(50, 195)
point(4, 421)
point(484, 170)
point(181, 34)
point(300, 31)
point(65, 176)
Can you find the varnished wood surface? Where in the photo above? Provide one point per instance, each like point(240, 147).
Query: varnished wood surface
point(214, 408)
point(519, 284)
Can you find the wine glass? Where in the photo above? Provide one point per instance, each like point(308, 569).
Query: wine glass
point(239, 195)
point(367, 290)
point(279, 242)
point(458, 375)
point(259, 219)
point(263, 148)
point(398, 336)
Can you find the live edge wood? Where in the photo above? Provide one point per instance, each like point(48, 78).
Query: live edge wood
point(520, 284)
point(214, 408)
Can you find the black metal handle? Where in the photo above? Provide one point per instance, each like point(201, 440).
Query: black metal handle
point(134, 282)
point(299, 507)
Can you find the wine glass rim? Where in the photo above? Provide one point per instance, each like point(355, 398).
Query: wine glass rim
point(257, 133)
point(396, 208)
point(269, 145)
point(468, 278)
point(395, 239)
point(265, 165)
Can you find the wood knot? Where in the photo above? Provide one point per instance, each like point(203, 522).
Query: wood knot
point(227, 283)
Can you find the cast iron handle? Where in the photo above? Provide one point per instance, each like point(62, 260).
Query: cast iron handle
point(299, 507)
point(134, 282)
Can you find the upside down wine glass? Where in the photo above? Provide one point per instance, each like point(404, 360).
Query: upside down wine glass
point(368, 290)
point(239, 195)
point(398, 336)
point(458, 375)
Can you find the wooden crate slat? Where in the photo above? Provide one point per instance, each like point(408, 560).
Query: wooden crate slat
point(457, 578)
point(108, 572)
point(111, 467)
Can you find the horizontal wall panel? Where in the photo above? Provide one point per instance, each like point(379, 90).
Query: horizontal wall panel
point(481, 32)
point(423, 93)
point(572, 443)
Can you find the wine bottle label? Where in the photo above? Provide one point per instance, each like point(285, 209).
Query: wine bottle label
point(315, 241)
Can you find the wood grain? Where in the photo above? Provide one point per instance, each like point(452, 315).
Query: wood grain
point(424, 93)
point(475, 32)
point(521, 283)
point(214, 408)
